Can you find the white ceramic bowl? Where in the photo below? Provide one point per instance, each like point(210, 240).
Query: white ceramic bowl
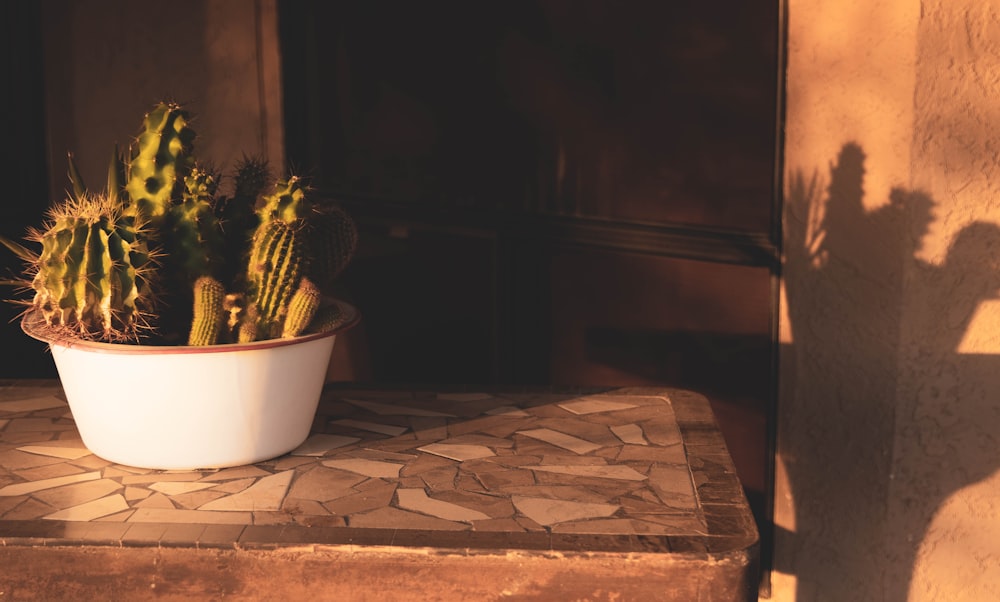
point(193, 407)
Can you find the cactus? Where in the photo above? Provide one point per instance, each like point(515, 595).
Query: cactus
point(84, 279)
point(162, 159)
point(301, 309)
point(206, 324)
point(273, 272)
point(327, 318)
point(238, 217)
point(333, 241)
point(162, 229)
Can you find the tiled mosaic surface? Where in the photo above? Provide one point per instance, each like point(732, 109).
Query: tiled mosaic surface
point(623, 470)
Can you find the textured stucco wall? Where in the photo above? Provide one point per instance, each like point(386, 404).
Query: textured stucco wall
point(108, 62)
point(888, 485)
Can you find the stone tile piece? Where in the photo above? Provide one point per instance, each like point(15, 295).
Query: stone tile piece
point(549, 512)
point(30, 509)
point(322, 484)
point(265, 494)
point(573, 444)
point(613, 471)
point(385, 409)
point(238, 472)
point(478, 439)
point(300, 506)
point(77, 493)
point(49, 471)
point(394, 518)
point(290, 462)
point(363, 501)
point(629, 434)
point(67, 453)
point(457, 452)
point(36, 425)
point(235, 486)
point(91, 462)
point(156, 501)
point(495, 480)
point(92, 509)
point(369, 468)
point(15, 460)
point(385, 429)
point(318, 445)
point(417, 501)
point(509, 411)
point(593, 406)
point(177, 488)
point(378, 454)
point(670, 454)
point(661, 432)
point(117, 517)
point(195, 499)
point(32, 405)
point(570, 493)
point(146, 479)
point(33, 486)
point(136, 493)
point(673, 486)
point(162, 515)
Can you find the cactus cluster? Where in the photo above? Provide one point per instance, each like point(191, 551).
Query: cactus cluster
point(160, 251)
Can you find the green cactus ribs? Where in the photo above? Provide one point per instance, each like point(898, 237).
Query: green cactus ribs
point(275, 267)
point(162, 159)
point(85, 280)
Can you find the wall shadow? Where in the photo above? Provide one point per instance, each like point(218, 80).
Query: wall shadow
point(874, 338)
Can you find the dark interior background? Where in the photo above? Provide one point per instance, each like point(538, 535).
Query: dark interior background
point(554, 192)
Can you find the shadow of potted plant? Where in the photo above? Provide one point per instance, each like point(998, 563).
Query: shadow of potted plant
point(190, 329)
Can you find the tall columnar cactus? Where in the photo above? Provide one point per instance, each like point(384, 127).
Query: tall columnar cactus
point(208, 315)
point(276, 264)
point(168, 190)
point(162, 160)
point(274, 271)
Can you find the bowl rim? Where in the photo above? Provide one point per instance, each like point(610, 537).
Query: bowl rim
point(33, 325)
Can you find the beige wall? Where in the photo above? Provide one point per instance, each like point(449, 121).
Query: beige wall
point(888, 485)
point(108, 62)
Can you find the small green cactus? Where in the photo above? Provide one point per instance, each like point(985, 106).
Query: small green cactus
point(209, 315)
point(301, 309)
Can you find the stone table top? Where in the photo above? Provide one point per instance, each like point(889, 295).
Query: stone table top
point(635, 470)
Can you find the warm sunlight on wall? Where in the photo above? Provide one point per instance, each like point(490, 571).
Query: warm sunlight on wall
point(888, 406)
point(853, 66)
point(983, 332)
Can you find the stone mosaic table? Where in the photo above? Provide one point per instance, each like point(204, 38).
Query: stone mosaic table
point(397, 494)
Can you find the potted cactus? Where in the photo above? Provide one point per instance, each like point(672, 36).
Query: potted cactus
point(189, 329)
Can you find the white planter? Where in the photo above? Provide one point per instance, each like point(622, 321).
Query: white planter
point(193, 407)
